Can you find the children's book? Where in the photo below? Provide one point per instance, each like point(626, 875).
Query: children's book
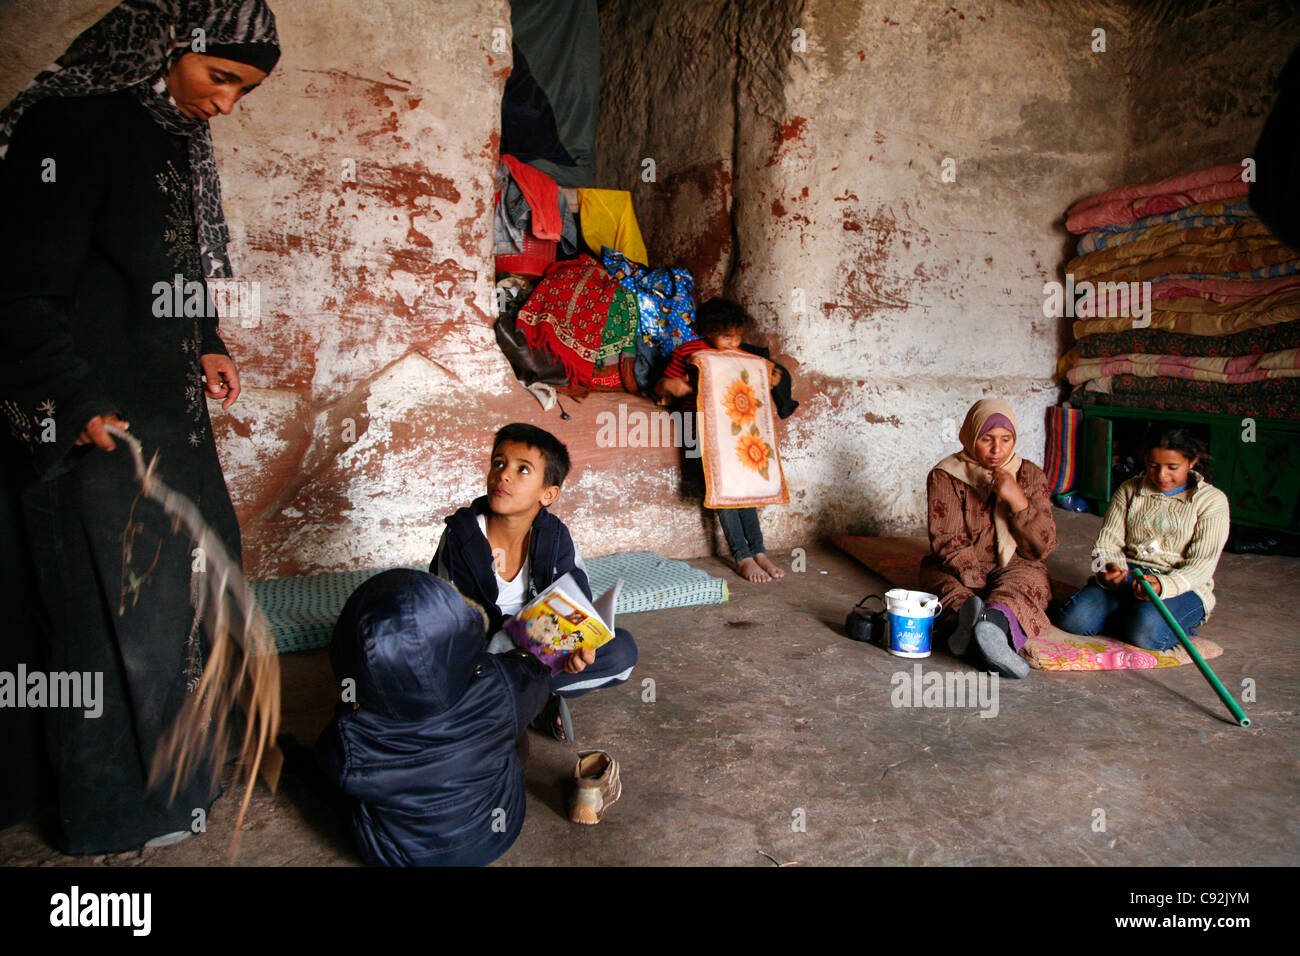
point(560, 620)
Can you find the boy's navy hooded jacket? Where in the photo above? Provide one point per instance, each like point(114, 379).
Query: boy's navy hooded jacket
point(468, 558)
point(428, 757)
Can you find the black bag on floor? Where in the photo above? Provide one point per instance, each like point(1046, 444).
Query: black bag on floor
point(866, 625)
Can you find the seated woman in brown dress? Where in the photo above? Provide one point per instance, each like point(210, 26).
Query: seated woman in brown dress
point(991, 527)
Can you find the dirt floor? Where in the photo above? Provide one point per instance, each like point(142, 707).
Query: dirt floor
point(754, 733)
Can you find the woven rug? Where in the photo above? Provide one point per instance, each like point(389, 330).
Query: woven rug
point(898, 561)
point(302, 611)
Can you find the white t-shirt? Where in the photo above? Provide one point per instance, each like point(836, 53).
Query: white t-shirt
point(510, 594)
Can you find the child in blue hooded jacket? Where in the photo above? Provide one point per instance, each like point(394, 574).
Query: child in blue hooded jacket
point(427, 753)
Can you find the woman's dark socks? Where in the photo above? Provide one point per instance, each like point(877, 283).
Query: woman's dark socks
point(994, 616)
point(959, 640)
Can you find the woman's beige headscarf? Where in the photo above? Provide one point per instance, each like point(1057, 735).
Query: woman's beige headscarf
point(966, 468)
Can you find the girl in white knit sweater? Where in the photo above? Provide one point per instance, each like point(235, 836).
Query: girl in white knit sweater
point(1171, 523)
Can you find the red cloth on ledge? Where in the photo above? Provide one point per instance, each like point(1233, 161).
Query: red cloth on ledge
point(542, 194)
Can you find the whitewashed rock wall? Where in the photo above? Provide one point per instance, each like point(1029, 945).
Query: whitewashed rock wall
point(806, 183)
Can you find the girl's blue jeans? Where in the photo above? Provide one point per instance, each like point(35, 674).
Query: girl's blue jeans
point(1118, 613)
point(744, 536)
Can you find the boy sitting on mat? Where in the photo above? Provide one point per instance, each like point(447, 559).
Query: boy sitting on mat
point(721, 324)
point(505, 548)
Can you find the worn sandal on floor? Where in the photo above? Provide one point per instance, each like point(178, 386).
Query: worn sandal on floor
point(554, 721)
point(596, 786)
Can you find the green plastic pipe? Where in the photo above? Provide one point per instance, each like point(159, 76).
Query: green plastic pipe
point(1209, 675)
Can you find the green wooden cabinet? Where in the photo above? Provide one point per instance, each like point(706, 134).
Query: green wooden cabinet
point(1256, 461)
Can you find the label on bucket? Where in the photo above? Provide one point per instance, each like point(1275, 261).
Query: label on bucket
point(911, 619)
point(910, 635)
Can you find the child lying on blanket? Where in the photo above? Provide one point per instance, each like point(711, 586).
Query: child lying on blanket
point(721, 324)
point(1171, 523)
point(991, 527)
point(505, 548)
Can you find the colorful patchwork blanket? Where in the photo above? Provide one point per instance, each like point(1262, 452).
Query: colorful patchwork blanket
point(1260, 259)
point(1273, 398)
point(665, 301)
point(1214, 288)
point(1190, 217)
point(1155, 341)
point(1232, 370)
point(1168, 240)
point(1190, 315)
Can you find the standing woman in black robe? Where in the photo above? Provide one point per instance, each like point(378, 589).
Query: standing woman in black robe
point(111, 206)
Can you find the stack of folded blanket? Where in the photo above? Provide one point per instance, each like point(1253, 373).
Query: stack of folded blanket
point(1217, 329)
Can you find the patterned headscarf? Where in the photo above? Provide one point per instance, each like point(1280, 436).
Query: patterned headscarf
point(132, 48)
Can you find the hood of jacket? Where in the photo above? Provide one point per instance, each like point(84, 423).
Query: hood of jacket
point(410, 642)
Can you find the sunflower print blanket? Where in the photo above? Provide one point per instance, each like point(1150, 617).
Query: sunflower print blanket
point(737, 431)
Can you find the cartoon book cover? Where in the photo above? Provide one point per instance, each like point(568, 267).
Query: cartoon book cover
point(560, 620)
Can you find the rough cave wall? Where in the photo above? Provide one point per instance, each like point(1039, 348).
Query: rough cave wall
point(1202, 80)
point(897, 294)
point(385, 317)
point(905, 294)
point(667, 127)
point(362, 185)
point(372, 380)
point(358, 184)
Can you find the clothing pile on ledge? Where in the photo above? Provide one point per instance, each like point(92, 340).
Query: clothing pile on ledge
point(579, 308)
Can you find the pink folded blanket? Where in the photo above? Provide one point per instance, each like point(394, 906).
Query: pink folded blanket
point(1221, 290)
point(1126, 203)
point(1216, 290)
point(1226, 370)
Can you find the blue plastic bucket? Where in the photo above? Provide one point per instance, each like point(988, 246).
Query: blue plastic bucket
point(910, 616)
